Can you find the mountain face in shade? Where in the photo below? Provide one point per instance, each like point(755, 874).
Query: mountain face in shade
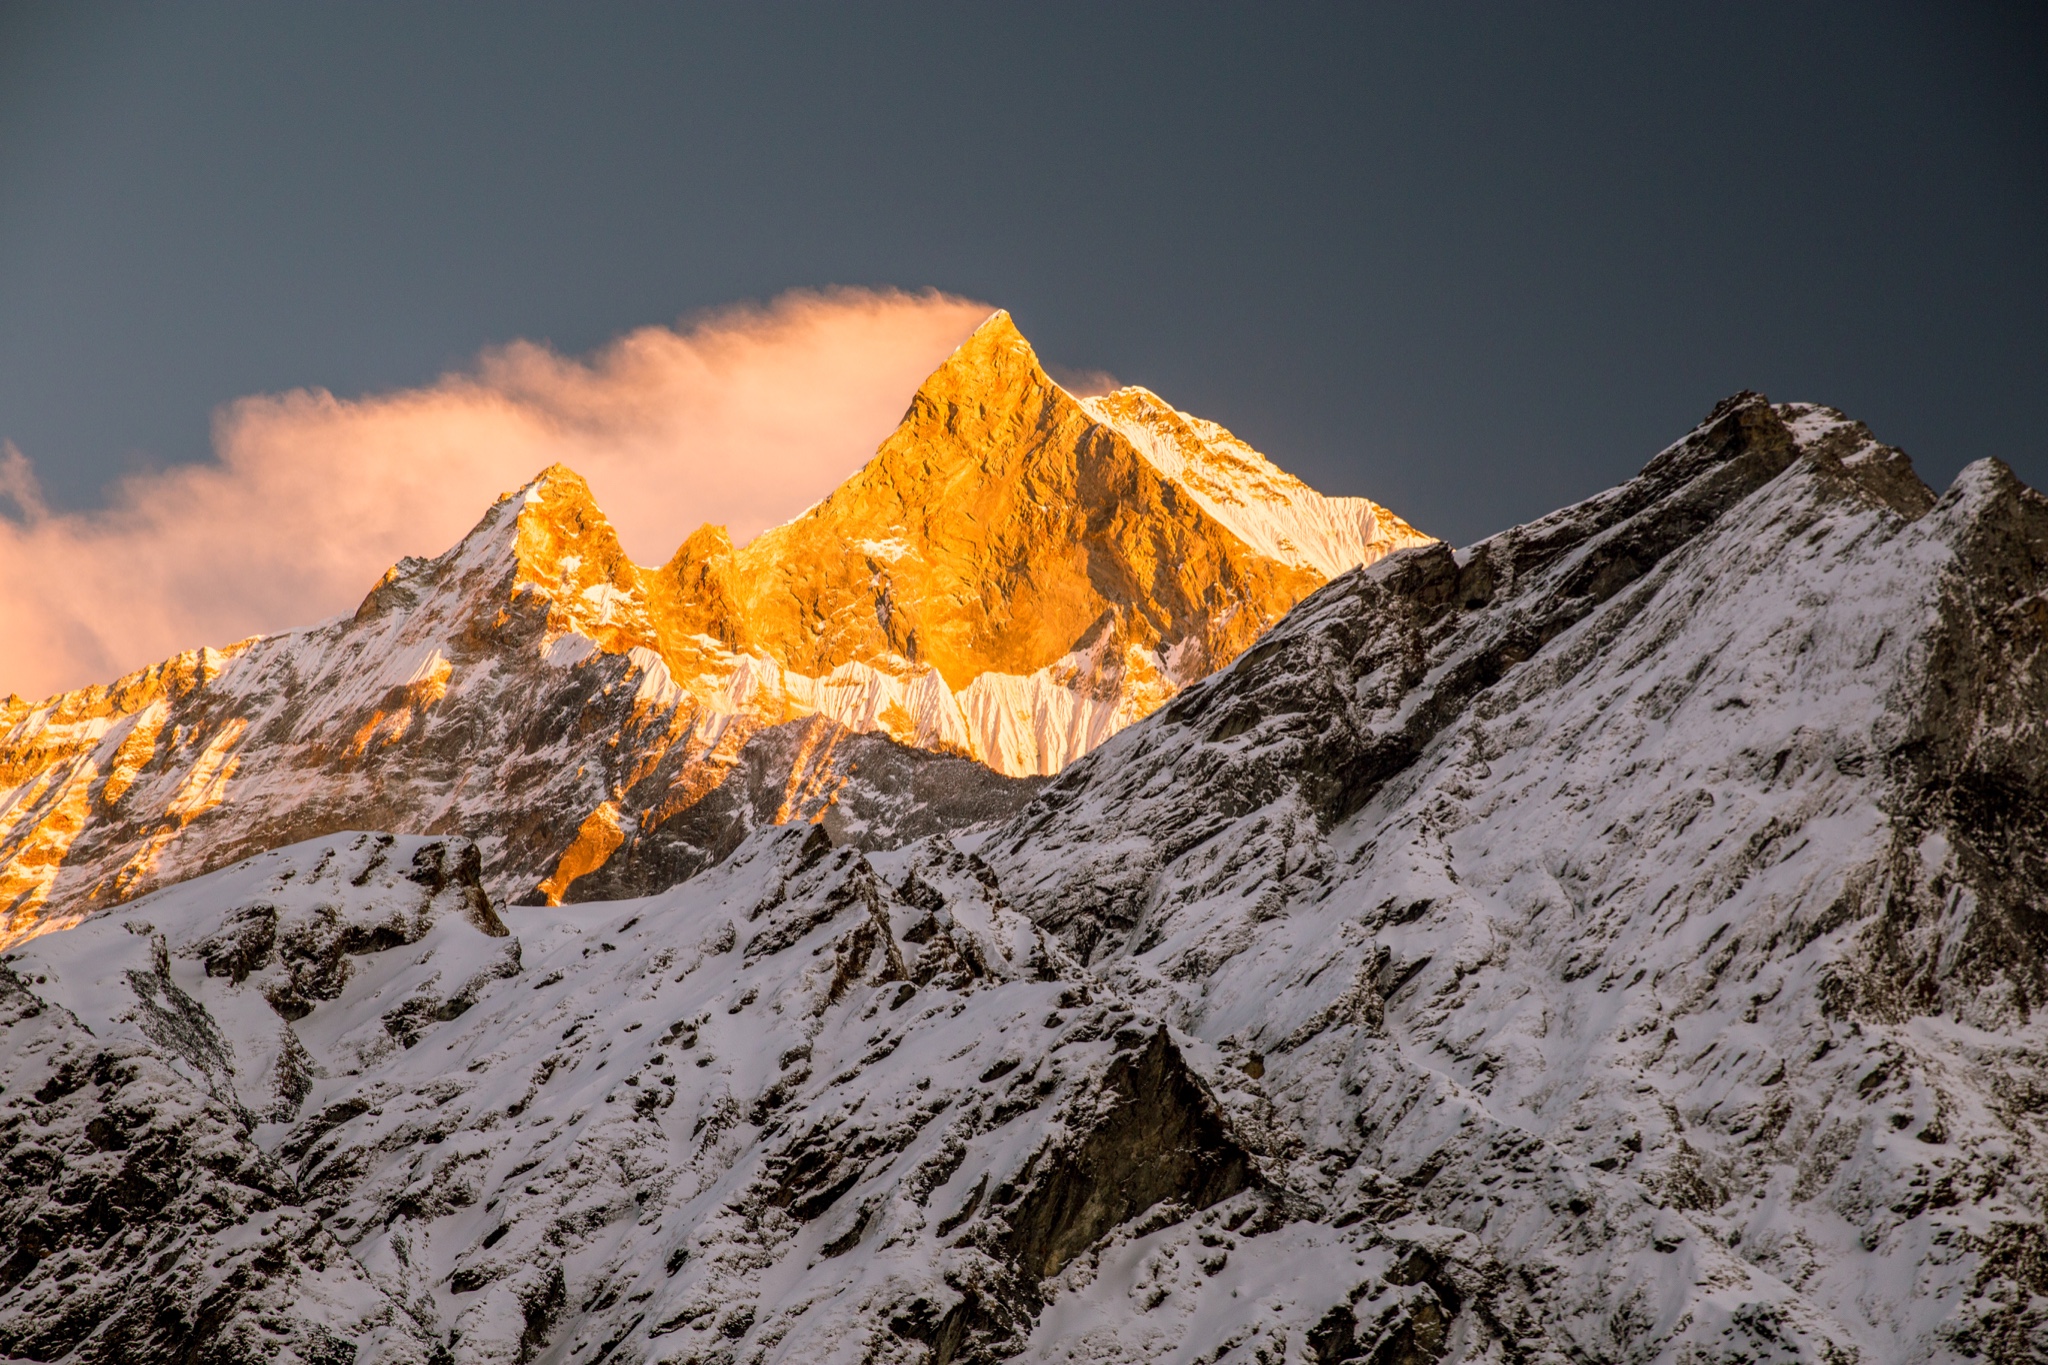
point(1014, 577)
point(1621, 940)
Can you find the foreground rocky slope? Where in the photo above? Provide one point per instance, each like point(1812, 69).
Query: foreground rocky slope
point(1015, 576)
point(1653, 892)
point(1617, 941)
point(324, 1106)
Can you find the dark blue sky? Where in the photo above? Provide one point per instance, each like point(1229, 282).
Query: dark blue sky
point(1475, 261)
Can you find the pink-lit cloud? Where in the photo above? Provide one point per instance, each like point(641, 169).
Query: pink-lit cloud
point(1083, 383)
point(744, 417)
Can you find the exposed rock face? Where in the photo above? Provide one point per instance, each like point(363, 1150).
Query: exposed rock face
point(1006, 523)
point(1010, 580)
point(1616, 941)
point(142, 1221)
point(864, 790)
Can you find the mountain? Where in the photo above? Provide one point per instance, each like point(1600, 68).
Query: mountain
point(1619, 940)
point(1015, 576)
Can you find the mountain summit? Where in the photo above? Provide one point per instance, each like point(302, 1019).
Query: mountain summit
point(1006, 524)
point(1012, 576)
point(1015, 576)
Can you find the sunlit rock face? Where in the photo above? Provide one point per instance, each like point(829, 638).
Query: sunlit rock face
point(1015, 576)
point(1617, 941)
point(1018, 574)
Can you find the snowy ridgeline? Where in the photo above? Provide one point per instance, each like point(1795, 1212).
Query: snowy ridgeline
point(1263, 505)
point(1616, 941)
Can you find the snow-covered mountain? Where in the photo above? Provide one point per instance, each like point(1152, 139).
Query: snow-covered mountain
point(1013, 578)
point(1264, 506)
point(1619, 940)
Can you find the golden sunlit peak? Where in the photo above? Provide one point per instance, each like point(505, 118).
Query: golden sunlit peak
point(560, 500)
point(998, 321)
point(994, 364)
point(997, 333)
point(553, 480)
point(558, 478)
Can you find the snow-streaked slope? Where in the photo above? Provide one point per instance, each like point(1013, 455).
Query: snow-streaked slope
point(1020, 725)
point(1650, 892)
point(1269, 509)
point(805, 1107)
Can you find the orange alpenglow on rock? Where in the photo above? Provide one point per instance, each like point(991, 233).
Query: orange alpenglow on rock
point(1016, 575)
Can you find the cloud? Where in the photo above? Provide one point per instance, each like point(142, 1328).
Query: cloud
point(1083, 383)
point(18, 485)
point(745, 416)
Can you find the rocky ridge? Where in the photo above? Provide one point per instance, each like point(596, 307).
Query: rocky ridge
point(1651, 892)
point(495, 689)
point(1616, 941)
point(1009, 581)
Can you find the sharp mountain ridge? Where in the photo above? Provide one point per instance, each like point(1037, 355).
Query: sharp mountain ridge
point(1016, 575)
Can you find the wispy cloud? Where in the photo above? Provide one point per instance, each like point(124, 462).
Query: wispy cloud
point(744, 417)
point(1083, 383)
